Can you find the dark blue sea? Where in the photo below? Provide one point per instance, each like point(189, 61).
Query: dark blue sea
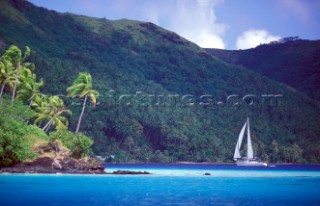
point(169, 184)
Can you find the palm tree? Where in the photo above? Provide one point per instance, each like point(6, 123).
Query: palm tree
point(14, 54)
point(29, 87)
point(39, 105)
point(53, 110)
point(6, 74)
point(82, 88)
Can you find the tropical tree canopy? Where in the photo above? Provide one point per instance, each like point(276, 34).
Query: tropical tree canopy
point(51, 108)
point(82, 88)
point(29, 87)
point(14, 55)
point(7, 74)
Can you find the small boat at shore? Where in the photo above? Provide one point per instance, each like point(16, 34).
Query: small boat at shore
point(248, 160)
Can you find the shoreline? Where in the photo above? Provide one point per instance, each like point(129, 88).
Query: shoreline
point(72, 167)
point(198, 163)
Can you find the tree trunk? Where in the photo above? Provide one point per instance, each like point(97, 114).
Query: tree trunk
point(2, 88)
point(45, 126)
point(15, 85)
point(30, 105)
point(82, 111)
point(49, 126)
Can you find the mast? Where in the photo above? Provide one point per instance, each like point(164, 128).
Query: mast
point(249, 149)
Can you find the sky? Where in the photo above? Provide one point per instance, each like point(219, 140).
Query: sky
point(223, 24)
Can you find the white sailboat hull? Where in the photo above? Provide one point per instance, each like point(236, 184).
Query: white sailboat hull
point(251, 162)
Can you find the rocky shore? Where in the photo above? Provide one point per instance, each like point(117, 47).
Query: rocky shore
point(54, 165)
point(47, 165)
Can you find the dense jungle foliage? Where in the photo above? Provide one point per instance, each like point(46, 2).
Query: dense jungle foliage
point(25, 120)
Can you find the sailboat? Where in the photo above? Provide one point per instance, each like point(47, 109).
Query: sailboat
point(249, 160)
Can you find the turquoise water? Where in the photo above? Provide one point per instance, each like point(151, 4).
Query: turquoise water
point(168, 185)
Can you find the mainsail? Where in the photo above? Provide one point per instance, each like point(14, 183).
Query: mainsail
point(249, 145)
point(237, 150)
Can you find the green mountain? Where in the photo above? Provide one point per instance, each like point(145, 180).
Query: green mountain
point(163, 98)
point(292, 61)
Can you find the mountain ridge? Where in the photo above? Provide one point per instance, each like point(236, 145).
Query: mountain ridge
point(293, 62)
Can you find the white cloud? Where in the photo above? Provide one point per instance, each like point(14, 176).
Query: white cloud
point(253, 38)
point(196, 21)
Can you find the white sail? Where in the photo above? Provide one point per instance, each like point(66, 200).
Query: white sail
point(237, 150)
point(249, 148)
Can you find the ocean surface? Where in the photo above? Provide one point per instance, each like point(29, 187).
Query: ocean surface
point(169, 184)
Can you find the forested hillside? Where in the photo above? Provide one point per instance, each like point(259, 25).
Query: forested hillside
point(292, 61)
point(151, 84)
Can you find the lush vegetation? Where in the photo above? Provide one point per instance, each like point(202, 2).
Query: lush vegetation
point(139, 59)
point(79, 144)
point(292, 61)
point(17, 135)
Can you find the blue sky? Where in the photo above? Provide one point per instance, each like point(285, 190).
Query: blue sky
point(228, 24)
